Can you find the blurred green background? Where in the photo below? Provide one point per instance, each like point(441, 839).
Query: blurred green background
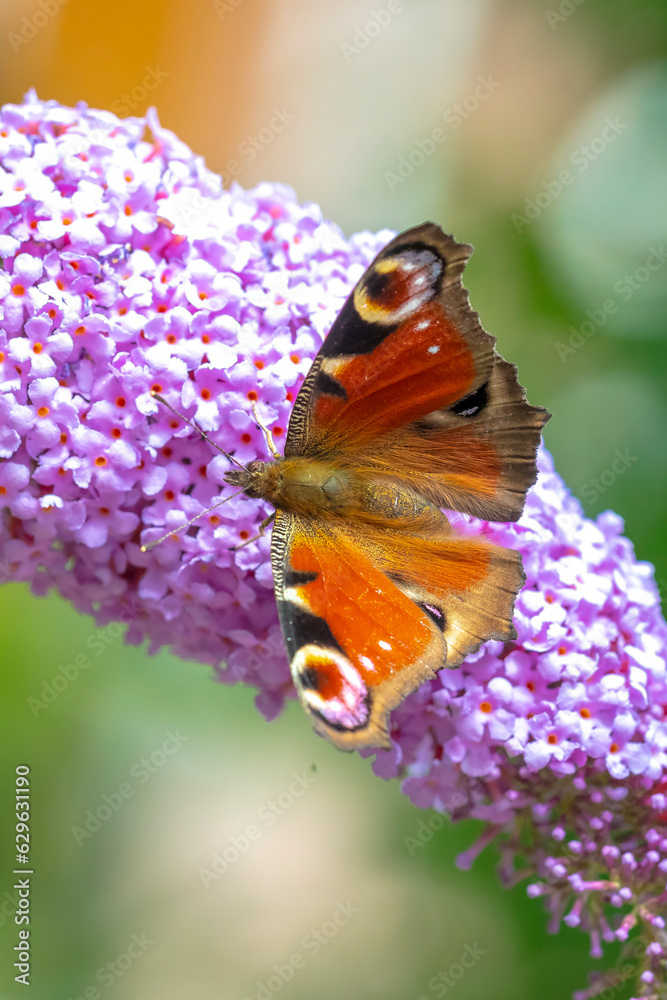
point(553, 166)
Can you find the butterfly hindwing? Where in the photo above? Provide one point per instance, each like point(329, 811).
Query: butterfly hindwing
point(368, 616)
point(356, 643)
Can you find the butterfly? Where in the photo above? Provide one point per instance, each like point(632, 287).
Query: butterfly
point(407, 409)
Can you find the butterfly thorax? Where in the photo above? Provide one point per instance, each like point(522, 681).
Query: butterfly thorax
point(313, 487)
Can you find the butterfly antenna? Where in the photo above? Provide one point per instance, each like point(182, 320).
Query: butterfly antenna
point(267, 433)
point(186, 524)
point(190, 423)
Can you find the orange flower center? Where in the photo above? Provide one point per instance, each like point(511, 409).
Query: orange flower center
point(485, 706)
point(43, 411)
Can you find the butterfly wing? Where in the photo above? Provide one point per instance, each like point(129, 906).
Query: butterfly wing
point(408, 383)
point(369, 615)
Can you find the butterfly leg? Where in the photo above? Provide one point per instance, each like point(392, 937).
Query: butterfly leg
point(262, 528)
point(267, 433)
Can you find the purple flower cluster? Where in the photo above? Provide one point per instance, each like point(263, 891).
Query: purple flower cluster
point(127, 269)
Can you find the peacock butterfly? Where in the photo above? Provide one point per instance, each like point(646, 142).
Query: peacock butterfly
point(407, 409)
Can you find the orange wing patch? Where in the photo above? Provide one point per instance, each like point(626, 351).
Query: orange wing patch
point(375, 623)
point(423, 365)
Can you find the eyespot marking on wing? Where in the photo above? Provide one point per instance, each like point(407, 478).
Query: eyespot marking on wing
point(398, 286)
point(331, 686)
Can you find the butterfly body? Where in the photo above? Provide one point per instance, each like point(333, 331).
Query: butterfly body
point(407, 409)
point(325, 489)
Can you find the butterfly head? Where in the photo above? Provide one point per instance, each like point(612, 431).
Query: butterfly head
point(258, 480)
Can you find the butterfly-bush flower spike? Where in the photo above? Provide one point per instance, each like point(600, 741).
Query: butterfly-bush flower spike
point(127, 270)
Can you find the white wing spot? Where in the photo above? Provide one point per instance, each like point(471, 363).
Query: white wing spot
point(367, 662)
point(433, 349)
point(384, 645)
